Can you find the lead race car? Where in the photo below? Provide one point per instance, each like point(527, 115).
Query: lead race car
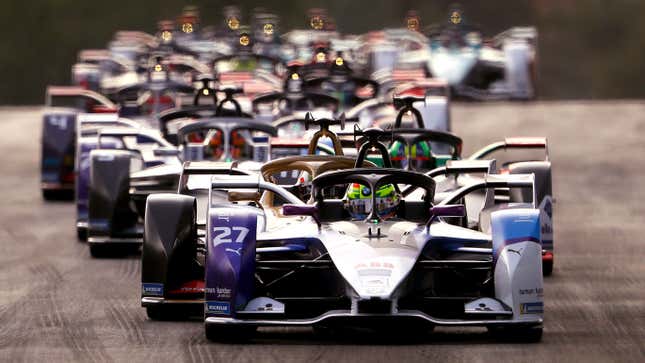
point(174, 246)
point(394, 260)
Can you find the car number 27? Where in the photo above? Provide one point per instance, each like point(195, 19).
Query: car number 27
point(229, 234)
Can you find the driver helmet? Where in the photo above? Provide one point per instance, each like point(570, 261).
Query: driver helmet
point(401, 154)
point(358, 200)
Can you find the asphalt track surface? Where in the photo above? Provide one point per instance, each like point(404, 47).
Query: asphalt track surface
point(59, 304)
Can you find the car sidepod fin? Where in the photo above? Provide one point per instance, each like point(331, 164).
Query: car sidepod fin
point(230, 259)
point(517, 261)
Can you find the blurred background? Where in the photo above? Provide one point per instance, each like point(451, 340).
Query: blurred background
point(588, 49)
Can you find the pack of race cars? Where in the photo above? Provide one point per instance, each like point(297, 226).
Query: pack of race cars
point(307, 178)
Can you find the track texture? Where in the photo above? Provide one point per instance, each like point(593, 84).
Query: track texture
point(59, 304)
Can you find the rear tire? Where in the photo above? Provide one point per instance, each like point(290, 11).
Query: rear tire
point(98, 251)
point(106, 250)
point(547, 268)
point(60, 195)
point(155, 312)
point(229, 334)
point(81, 234)
point(532, 334)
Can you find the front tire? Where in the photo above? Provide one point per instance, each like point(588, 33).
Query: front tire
point(166, 313)
point(57, 195)
point(547, 267)
point(229, 334)
point(98, 251)
point(530, 334)
point(81, 234)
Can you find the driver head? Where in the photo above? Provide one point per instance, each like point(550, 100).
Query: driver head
point(358, 201)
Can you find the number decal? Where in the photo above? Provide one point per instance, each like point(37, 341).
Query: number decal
point(243, 231)
point(59, 121)
point(224, 234)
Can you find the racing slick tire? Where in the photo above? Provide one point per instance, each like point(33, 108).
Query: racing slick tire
point(108, 250)
point(229, 333)
point(81, 234)
point(547, 267)
point(59, 195)
point(167, 313)
point(519, 334)
point(98, 251)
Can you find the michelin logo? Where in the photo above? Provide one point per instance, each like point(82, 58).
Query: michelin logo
point(152, 289)
point(218, 307)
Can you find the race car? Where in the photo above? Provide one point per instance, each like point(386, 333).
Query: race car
point(377, 259)
point(292, 98)
point(172, 273)
point(121, 178)
point(438, 155)
point(503, 67)
point(63, 106)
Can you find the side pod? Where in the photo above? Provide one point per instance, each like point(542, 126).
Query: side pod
point(517, 259)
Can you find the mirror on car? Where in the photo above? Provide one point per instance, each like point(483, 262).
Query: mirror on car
point(301, 210)
point(448, 210)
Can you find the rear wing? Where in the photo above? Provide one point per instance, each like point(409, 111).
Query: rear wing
point(516, 143)
point(90, 124)
point(495, 181)
point(455, 167)
point(209, 167)
point(139, 133)
point(225, 123)
point(527, 33)
point(79, 92)
point(93, 55)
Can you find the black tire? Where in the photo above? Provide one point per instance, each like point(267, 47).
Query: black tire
point(155, 312)
point(59, 195)
point(547, 268)
point(525, 334)
point(229, 333)
point(107, 250)
point(168, 312)
point(81, 234)
point(98, 251)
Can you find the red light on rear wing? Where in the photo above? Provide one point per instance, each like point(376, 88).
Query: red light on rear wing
point(525, 141)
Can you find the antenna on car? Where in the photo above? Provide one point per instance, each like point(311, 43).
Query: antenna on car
point(405, 104)
point(324, 131)
point(372, 136)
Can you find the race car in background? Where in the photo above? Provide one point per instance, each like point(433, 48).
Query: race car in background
point(475, 67)
point(63, 106)
point(502, 67)
point(121, 178)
